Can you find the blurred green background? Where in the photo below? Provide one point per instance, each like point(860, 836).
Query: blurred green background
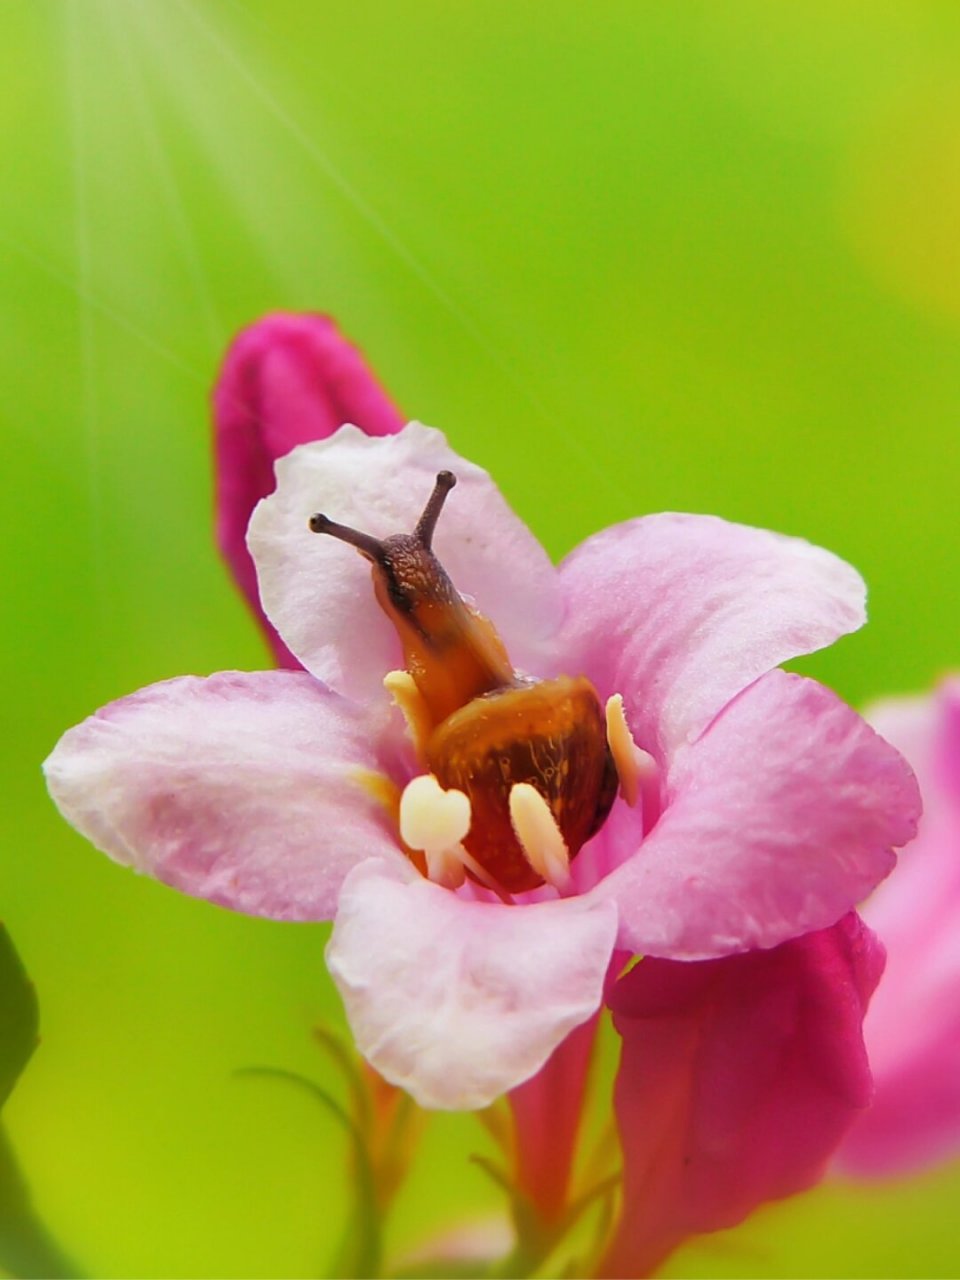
point(630, 257)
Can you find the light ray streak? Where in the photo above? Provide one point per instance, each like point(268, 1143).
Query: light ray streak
point(83, 255)
point(86, 297)
point(174, 201)
point(373, 219)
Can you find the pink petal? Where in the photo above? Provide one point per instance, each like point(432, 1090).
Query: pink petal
point(777, 821)
point(455, 1000)
point(679, 613)
point(244, 789)
point(913, 1028)
point(285, 380)
point(317, 591)
point(737, 1080)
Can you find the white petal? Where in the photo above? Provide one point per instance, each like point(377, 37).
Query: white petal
point(318, 592)
point(247, 789)
point(457, 1001)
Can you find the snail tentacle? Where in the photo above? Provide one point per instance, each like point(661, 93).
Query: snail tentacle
point(369, 546)
point(431, 512)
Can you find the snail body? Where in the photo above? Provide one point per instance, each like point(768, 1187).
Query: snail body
point(487, 728)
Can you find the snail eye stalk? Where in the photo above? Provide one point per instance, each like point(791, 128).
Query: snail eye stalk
point(428, 521)
point(367, 545)
point(373, 548)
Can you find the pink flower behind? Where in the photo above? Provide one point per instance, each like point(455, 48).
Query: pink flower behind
point(913, 1027)
point(286, 380)
point(737, 1079)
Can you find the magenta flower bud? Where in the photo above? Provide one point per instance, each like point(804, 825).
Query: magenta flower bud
point(286, 380)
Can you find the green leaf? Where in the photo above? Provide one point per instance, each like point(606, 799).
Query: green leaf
point(26, 1247)
point(19, 1021)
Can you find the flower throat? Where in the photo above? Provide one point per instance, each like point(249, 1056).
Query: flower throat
point(483, 728)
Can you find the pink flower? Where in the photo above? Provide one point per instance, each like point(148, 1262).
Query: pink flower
point(913, 1027)
point(738, 1077)
point(766, 809)
point(286, 380)
point(254, 790)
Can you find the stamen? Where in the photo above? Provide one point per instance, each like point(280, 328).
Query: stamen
point(435, 821)
point(623, 749)
point(446, 869)
point(428, 521)
point(540, 837)
point(637, 770)
point(403, 689)
point(369, 546)
point(483, 876)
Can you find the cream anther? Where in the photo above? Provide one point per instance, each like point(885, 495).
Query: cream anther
point(626, 754)
point(436, 821)
point(402, 688)
point(637, 770)
point(540, 837)
point(432, 819)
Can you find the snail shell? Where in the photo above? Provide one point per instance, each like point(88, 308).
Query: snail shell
point(549, 733)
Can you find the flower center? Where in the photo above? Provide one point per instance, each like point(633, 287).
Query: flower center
point(520, 772)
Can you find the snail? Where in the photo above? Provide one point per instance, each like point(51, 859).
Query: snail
point(483, 728)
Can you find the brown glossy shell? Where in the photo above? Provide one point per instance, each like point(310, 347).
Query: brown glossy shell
point(550, 733)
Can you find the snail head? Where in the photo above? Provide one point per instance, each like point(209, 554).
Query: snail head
point(407, 575)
